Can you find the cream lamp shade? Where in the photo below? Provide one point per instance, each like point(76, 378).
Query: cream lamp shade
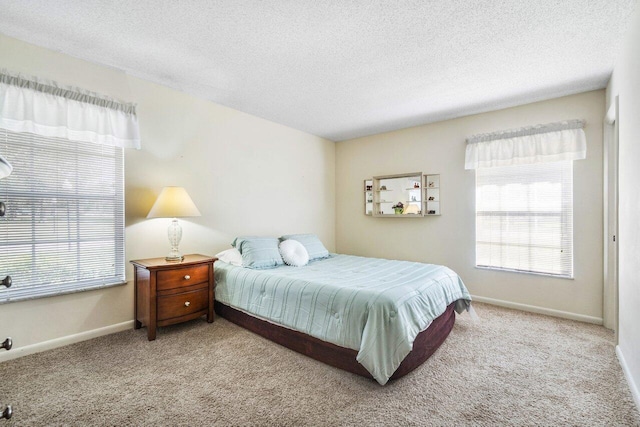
point(174, 202)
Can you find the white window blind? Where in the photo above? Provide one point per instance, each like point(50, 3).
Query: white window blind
point(64, 226)
point(524, 218)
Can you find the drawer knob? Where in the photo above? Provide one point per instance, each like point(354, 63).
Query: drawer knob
point(7, 413)
point(6, 282)
point(187, 304)
point(187, 277)
point(7, 344)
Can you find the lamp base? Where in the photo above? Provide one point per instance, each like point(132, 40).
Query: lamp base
point(175, 235)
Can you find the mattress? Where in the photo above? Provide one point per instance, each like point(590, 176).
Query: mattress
point(374, 306)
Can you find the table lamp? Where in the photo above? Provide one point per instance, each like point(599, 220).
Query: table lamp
point(174, 202)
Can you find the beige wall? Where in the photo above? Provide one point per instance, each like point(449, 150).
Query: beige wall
point(450, 239)
point(246, 175)
point(625, 84)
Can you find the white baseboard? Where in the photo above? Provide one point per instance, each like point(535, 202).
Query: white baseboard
point(15, 353)
point(540, 310)
point(635, 392)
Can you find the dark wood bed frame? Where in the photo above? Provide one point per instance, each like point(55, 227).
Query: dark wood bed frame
point(425, 344)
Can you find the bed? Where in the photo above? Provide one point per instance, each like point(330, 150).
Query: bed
point(374, 317)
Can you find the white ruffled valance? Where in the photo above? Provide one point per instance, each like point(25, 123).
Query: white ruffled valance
point(542, 143)
point(28, 104)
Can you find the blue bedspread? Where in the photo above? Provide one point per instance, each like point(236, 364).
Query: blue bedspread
point(374, 306)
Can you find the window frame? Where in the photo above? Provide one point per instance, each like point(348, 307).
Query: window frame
point(42, 290)
point(567, 235)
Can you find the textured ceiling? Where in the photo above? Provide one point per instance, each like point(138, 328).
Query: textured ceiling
point(341, 68)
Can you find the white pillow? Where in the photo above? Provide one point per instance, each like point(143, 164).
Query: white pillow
point(294, 253)
point(231, 256)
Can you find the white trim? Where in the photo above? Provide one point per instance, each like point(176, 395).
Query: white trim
point(46, 291)
point(610, 117)
point(539, 310)
point(15, 353)
point(610, 215)
point(635, 391)
point(536, 273)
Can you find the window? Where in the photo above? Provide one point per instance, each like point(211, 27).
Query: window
point(524, 218)
point(64, 226)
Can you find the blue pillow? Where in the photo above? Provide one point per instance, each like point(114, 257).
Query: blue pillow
point(311, 243)
point(258, 252)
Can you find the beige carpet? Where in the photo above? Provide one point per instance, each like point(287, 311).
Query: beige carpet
point(512, 368)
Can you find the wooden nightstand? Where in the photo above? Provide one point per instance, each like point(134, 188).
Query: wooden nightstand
point(172, 292)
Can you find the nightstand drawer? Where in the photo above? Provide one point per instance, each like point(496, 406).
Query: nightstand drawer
point(179, 277)
point(182, 304)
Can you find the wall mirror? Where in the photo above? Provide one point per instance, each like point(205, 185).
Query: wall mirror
point(398, 195)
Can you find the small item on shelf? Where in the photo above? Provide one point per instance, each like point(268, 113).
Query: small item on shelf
point(431, 198)
point(413, 199)
point(398, 208)
point(416, 185)
point(432, 212)
point(383, 188)
point(369, 187)
point(431, 184)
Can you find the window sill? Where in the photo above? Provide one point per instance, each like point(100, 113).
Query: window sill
point(533, 273)
point(14, 295)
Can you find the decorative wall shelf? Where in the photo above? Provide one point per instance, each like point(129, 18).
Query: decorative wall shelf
point(432, 194)
point(418, 195)
point(368, 197)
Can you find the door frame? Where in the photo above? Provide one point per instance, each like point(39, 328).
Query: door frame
point(610, 211)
